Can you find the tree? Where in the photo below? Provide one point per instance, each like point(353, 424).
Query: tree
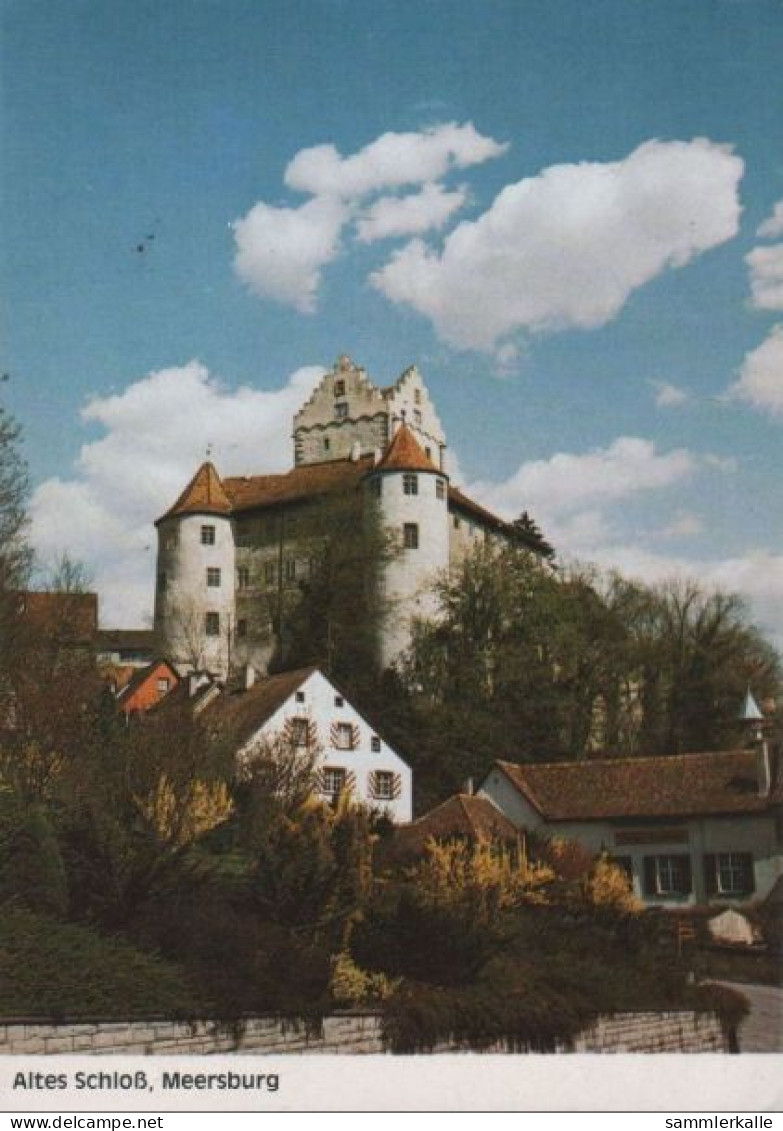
point(15, 554)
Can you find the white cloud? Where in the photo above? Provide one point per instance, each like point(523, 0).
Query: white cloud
point(761, 375)
point(773, 226)
point(156, 434)
point(566, 248)
point(392, 160)
point(684, 525)
point(407, 215)
point(766, 277)
point(669, 396)
point(280, 252)
point(566, 481)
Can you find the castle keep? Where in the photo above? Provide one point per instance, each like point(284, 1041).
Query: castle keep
point(229, 548)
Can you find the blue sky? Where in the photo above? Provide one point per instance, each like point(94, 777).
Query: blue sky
point(562, 212)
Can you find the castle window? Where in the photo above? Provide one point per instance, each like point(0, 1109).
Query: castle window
point(375, 744)
point(207, 536)
point(457, 522)
point(327, 443)
point(333, 781)
point(416, 416)
point(213, 577)
point(270, 573)
point(410, 536)
point(212, 624)
point(241, 628)
point(243, 577)
point(440, 489)
point(341, 410)
point(417, 396)
point(299, 729)
point(382, 786)
point(290, 569)
point(162, 582)
point(339, 388)
point(410, 484)
point(342, 736)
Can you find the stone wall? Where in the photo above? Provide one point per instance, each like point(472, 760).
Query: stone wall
point(344, 1033)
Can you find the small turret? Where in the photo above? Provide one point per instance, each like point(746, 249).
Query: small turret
point(755, 727)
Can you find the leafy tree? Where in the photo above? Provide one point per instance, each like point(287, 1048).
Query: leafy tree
point(15, 554)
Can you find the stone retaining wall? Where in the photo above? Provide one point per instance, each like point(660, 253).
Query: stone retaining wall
point(351, 1033)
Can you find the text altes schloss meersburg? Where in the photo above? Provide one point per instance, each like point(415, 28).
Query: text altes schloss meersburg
point(144, 1082)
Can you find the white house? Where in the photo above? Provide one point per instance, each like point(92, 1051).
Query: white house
point(307, 709)
point(688, 829)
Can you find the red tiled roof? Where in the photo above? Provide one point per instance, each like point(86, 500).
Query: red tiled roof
point(458, 499)
point(249, 491)
point(237, 715)
point(203, 495)
point(461, 815)
point(671, 786)
point(405, 453)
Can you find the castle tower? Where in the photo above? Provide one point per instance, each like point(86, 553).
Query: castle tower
point(412, 493)
point(195, 589)
point(346, 409)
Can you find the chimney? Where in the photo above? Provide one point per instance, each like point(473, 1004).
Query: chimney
point(467, 787)
point(248, 677)
point(356, 451)
point(193, 684)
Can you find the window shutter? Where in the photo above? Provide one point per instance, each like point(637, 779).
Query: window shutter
point(650, 884)
point(687, 877)
point(397, 789)
point(748, 874)
point(710, 873)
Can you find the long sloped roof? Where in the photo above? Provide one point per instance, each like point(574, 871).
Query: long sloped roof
point(655, 786)
point(237, 715)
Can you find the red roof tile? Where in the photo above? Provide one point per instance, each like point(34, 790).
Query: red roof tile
point(303, 482)
point(237, 715)
point(203, 495)
point(405, 453)
point(461, 815)
point(671, 786)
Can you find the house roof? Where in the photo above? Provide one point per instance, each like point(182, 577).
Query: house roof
point(405, 453)
point(125, 640)
point(205, 494)
point(461, 815)
point(140, 677)
point(237, 715)
point(644, 787)
point(460, 500)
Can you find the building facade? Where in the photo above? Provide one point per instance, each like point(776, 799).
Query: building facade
point(233, 550)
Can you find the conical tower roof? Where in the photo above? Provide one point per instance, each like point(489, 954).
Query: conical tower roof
point(205, 494)
point(405, 453)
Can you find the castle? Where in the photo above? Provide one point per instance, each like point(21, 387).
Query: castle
point(230, 548)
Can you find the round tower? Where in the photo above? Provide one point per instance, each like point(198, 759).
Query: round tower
point(195, 586)
point(412, 495)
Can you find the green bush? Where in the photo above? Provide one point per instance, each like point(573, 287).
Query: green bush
point(31, 867)
point(51, 969)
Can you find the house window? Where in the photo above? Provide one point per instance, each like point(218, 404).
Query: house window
point(241, 628)
point(383, 785)
point(162, 582)
point(270, 573)
point(300, 696)
point(339, 388)
point(212, 624)
point(375, 744)
point(243, 577)
point(163, 685)
point(333, 780)
point(213, 577)
point(440, 489)
point(342, 736)
point(300, 732)
point(341, 410)
point(339, 701)
point(410, 536)
point(410, 484)
point(729, 873)
point(667, 875)
point(207, 536)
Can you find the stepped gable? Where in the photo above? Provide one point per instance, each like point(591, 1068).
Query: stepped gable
point(651, 786)
point(405, 453)
point(305, 481)
point(204, 494)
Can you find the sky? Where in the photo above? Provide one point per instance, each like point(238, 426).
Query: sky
point(568, 214)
